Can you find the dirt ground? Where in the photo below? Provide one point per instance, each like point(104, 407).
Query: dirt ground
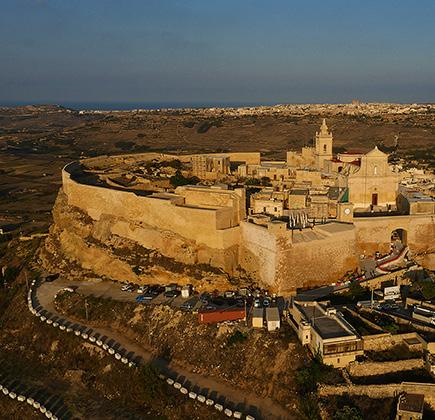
point(91, 384)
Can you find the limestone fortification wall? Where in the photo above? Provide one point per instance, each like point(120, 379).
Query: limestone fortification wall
point(280, 262)
point(192, 226)
point(374, 233)
point(208, 233)
point(315, 262)
point(130, 158)
point(258, 250)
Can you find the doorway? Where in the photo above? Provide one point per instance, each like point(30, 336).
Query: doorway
point(374, 199)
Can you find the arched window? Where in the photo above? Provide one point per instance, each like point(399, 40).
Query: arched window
point(324, 148)
point(375, 170)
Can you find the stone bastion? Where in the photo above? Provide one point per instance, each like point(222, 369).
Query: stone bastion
point(209, 225)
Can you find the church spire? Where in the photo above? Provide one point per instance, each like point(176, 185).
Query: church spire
point(324, 127)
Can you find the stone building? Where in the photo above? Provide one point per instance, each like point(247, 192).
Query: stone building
point(314, 157)
point(410, 407)
point(373, 185)
point(210, 166)
point(325, 332)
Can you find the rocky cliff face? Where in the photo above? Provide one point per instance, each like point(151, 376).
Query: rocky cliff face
point(77, 245)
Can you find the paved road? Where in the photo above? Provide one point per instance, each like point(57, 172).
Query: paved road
point(246, 401)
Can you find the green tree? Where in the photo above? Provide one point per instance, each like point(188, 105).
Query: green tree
point(356, 290)
point(179, 179)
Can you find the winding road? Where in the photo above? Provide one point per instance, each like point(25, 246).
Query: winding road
point(219, 391)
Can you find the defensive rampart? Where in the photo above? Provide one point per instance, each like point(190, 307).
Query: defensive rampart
point(210, 230)
point(374, 233)
point(207, 225)
point(285, 260)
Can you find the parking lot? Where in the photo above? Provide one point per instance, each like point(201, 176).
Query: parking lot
point(172, 295)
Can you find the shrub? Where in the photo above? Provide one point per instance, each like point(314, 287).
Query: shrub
point(206, 125)
point(348, 413)
point(179, 179)
point(125, 145)
point(189, 124)
point(237, 337)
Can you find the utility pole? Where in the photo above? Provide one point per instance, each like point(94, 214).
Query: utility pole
point(86, 309)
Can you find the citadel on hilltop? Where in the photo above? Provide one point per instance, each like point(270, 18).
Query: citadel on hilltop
point(287, 224)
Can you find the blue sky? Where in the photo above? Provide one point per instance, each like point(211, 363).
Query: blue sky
point(217, 51)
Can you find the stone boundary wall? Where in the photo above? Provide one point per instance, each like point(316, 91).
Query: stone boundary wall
point(368, 322)
point(380, 368)
point(382, 391)
point(378, 342)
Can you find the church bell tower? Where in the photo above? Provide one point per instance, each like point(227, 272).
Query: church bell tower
point(323, 145)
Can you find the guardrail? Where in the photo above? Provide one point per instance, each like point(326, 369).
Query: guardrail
point(49, 405)
point(121, 354)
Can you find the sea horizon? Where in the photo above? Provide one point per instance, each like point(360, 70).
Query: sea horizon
point(128, 106)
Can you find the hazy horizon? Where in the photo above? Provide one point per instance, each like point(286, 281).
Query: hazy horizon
point(191, 51)
point(125, 106)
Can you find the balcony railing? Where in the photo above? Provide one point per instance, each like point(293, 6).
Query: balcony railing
point(345, 347)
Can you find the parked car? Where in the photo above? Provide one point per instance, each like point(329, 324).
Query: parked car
point(266, 302)
point(156, 289)
point(171, 287)
point(142, 289)
point(126, 286)
point(229, 294)
point(257, 303)
point(172, 293)
point(131, 288)
point(141, 298)
point(204, 297)
point(187, 306)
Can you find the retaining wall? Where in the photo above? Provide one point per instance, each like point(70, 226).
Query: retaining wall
point(382, 391)
point(380, 368)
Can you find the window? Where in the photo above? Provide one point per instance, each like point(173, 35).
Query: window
point(375, 170)
point(338, 360)
point(324, 148)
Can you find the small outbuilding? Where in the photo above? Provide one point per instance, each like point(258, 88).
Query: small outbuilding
point(257, 318)
point(186, 291)
point(273, 319)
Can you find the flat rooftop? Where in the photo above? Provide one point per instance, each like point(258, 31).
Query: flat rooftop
point(326, 326)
